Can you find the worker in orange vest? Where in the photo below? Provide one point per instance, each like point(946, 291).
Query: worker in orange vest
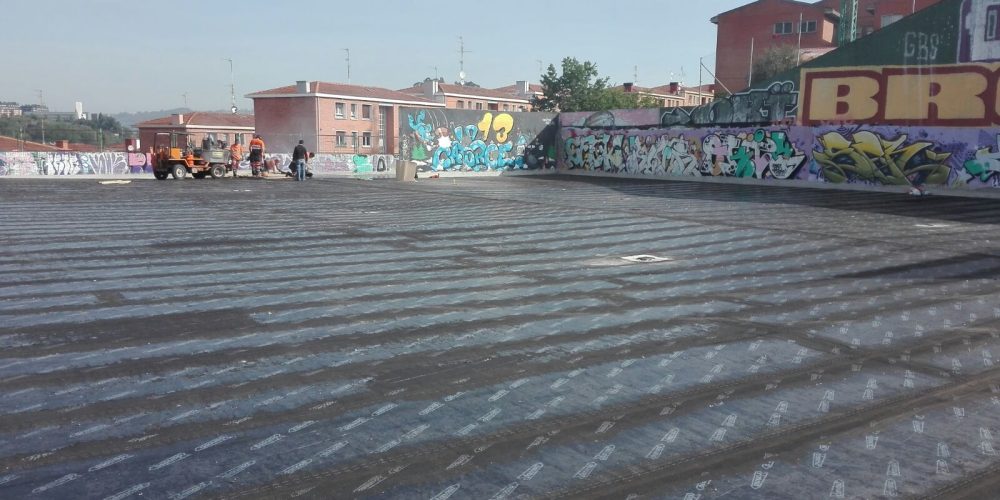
point(235, 156)
point(257, 149)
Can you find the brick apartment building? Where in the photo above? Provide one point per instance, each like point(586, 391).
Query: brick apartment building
point(765, 24)
point(224, 127)
point(674, 94)
point(515, 97)
point(332, 117)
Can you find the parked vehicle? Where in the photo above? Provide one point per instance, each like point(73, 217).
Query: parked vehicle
point(178, 158)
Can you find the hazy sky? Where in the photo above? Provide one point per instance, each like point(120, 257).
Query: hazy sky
point(144, 55)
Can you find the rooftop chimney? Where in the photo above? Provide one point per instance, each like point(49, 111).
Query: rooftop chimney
point(302, 87)
point(62, 144)
point(674, 87)
point(178, 119)
point(627, 86)
point(522, 87)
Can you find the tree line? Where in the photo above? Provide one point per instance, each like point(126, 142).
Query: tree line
point(100, 130)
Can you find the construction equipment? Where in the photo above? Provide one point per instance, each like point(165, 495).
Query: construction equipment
point(176, 157)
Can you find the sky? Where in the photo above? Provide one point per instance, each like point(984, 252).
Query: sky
point(146, 55)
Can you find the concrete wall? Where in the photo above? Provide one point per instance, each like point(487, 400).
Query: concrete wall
point(24, 164)
point(475, 141)
point(849, 155)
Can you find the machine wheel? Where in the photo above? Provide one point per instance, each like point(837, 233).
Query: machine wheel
point(217, 171)
point(160, 175)
point(178, 171)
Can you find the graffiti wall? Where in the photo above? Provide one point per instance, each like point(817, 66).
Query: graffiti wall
point(879, 156)
point(476, 140)
point(25, 164)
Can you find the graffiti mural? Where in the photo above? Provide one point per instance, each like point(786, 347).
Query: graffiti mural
point(474, 141)
point(866, 157)
point(756, 153)
point(985, 165)
point(881, 156)
point(776, 103)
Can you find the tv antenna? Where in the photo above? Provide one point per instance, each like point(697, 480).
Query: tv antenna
point(348, 64)
point(232, 88)
point(461, 60)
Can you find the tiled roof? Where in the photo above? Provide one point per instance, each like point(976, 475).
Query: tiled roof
point(447, 88)
point(203, 119)
point(12, 144)
point(513, 89)
point(341, 89)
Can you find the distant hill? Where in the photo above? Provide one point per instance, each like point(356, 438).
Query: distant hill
point(130, 119)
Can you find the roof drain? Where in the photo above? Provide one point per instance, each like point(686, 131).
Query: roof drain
point(644, 259)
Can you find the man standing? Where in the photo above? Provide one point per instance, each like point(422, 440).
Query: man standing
point(235, 156)
point(256, 155)
point(300, 157)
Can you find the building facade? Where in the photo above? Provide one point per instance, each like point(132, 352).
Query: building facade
point(332, 118)
point(746, 33)
point(673, 94)
point(198, 126)
point(511, 98)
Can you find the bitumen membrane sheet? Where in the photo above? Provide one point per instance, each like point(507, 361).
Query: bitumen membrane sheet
point(486, 339)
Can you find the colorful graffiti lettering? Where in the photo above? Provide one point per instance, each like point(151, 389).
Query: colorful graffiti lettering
point(868, 157)
point(758, 154)
point(778, 102)
point(476, 141)
point(985, 164)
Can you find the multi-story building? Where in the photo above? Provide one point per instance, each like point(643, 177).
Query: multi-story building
point(332, 117)
point(8, 109)
point(673, 94)
point(198, 126)
point(452, 96)
point(746, 33)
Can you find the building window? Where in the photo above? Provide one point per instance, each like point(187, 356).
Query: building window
point(479, 105)
point(992, 13)
point(340, 110)
point(354, 140)
point(341, 138)
point(354, 111)
point(460, 104)
point(522, 108)
point(783, 28)
point(238, 139)
point(366, 111)
point(366, 139)
point(808, 27)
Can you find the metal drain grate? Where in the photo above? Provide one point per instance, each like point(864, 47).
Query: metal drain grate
point(645, 259)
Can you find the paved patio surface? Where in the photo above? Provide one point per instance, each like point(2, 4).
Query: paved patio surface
point(483, 338)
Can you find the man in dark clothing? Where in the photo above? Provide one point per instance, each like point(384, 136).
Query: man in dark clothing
point(300, 157)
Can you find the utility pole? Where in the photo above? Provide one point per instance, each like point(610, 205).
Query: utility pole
point(185, 96)
point(635, 73)
point(540, 70)
point(348, 65)
point(232, 88)
point(41, 102)
point(798, 52)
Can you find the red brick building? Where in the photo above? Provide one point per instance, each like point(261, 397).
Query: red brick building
point(224, 127)
point(332, 117)
point(765, 24)
point(511, 98)
point(673, 94)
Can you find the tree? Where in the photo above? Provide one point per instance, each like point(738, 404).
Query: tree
point(774, 61)
point(579, 88)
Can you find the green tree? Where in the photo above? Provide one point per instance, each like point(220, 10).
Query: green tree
point(580, 88)
point(774, 61)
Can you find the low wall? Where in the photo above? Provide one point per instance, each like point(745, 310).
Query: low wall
point(32, 164)
point(854, 156)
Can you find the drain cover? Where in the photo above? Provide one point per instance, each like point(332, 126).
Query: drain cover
point(644, 258)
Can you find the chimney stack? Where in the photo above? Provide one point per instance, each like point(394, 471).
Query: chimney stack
point(62, 144)
point(627, 86)
point(178, 119)
point(674, 87)
point(522, 87)
point(302, 87)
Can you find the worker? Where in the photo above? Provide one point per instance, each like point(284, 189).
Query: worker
point(235, 156)
point(257, 149)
